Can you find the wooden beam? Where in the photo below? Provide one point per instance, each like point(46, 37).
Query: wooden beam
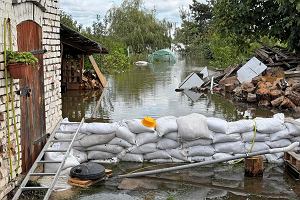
point(98, 72)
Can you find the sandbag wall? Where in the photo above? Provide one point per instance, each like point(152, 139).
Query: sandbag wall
point(191, 138)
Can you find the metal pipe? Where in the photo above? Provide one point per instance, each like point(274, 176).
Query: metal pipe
point(158, 171)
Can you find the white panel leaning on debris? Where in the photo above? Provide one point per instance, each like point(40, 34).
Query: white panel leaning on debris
point(191, 138)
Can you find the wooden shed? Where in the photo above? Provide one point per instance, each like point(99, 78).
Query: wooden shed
point(75, 47)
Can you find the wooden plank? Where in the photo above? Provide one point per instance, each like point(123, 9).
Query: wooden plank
point(98, 72)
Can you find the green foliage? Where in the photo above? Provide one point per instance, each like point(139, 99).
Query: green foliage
point(138, 28)
point(21, 57)
point(67, 20)
point(253, 19)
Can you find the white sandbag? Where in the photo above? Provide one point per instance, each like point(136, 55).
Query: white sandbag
point(274, 158)
point(200, 158)
point(293, 129)
point(128, 157)
point(199, 142)
point(192, 127)
point(175, 160)
point(120, 142)
point(270, 125)
point(144, 138)
point(101, 128)
point(113, 160)
point(157, 155)
point(218, 156)
point(144, 149)
point(125, 134)
point(258, 146)
point(220, 137)
point(170, 160)
point(240, 126)
point(71, 161)
point(81, 156)
point(283, 134)
point(217, 125)
point(110, 148)
point(66, 136)
point(172, 136)
point(230, 147)
point(166, 125)
point(295, 139)
point(94, 139)
point(99, 155)
point(279, 143)
point(180, 154)
point(200, 151)
point(259, 137)
point(136, 126)
point(166, 143)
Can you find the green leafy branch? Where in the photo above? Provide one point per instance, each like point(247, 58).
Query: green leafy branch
point(21, 57)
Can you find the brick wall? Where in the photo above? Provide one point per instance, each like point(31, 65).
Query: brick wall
point(46, 14)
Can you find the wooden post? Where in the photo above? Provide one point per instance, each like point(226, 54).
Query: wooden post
point(98, 72)
point(254, 166)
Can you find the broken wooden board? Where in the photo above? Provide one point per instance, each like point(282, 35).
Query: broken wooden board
point(83, 183)
point(98, 72)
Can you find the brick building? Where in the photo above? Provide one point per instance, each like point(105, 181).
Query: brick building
point(35, 26)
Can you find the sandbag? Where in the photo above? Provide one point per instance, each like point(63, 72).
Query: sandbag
point(113, 160)
point(240, 126)
point(258, 146)
point(94, 139)
point(217, 125)
point(99, 155)
point(143, 149)
point(115, 149)
point(200, 151)
point(66, 136)
point(172, 136)
point(274, 158)
point(101, 128)
point(157, 155)
point(166, 143)
point(180, 154)
point(71, 161)
point(192, 127)
point(295, 139)
point(270, 125)
point(166, 125)
point(120, 142)
point(81, 156)
point(220, 137)
point(218, 156)
point(293, 129)
point(144, 138)
point(278, 143)
point(199, 142)
point(283, 134)
point(136, 126)
point(230, 147)
point(200, 158)
point(169, 160)
point(128, 157)
point(260, 137)
point(125, 134)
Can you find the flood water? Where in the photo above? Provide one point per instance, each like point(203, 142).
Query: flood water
point(150, 91)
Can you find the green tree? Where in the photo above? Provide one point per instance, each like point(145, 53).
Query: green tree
point(138, 28)
point(253, 19)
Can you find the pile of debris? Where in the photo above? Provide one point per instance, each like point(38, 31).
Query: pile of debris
point(90, 81)
point(272, 78)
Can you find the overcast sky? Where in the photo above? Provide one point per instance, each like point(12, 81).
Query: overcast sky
point(85, 11)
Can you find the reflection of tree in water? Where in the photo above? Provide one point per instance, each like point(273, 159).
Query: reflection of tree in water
point(132, 85)
point(78, 104)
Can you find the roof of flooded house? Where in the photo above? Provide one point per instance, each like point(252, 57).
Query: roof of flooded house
point(80, 42)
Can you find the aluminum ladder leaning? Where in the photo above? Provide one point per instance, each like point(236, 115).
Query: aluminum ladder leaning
point(40, 160)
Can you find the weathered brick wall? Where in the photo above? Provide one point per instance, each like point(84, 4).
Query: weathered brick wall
point(46, 14)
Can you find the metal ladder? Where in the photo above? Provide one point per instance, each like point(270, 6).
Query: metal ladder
point(40, 160)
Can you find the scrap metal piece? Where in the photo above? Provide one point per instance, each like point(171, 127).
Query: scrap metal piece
point(250, 70)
